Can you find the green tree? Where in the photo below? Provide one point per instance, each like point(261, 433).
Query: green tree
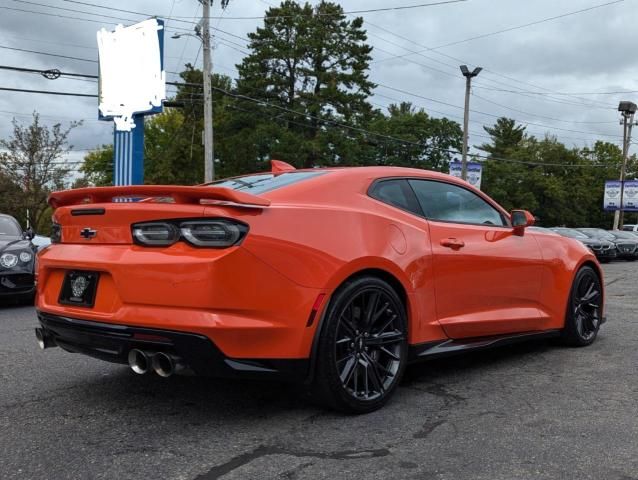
point(506, 136)
point(98, 166)
point(429, 142)
point(561, 186)
point(312, 60)
point(33, 160)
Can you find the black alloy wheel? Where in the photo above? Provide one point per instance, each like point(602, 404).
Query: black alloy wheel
point(363, 346)
point(584, 316)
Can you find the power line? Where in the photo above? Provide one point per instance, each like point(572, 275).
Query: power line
point(242, 51)
point(525, 25)
point(456, 59)
point(48, 54)
point(185, 84)
point(548, 19)
point(490, 114)
point(228, 33)
point(48, 92)
point(338, 124)
point(372, 10)
point(55, 15)
point(539, 116)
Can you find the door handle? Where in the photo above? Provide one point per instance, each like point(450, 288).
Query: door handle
point(452, 243)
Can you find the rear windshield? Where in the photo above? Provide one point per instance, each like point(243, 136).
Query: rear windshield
point(9, 228)
point(265, 182)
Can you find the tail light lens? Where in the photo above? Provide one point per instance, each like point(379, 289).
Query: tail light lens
point(207, 233)
point(56, 233)
point(212, 233)
point(156, 234)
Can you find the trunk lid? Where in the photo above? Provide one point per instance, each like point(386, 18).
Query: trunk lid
point(104, 215)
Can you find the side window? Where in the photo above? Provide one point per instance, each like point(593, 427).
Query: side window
point(450, 203)
point(396, 192)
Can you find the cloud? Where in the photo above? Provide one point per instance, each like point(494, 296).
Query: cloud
point(588, 52)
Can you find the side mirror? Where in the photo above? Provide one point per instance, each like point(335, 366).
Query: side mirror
point(521, 219)
point(29, 233)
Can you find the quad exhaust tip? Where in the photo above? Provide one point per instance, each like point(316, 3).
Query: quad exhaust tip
point(44, 340)
point(139, 361)
point(165, 364)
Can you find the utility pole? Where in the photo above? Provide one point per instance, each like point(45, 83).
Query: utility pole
point(627, 109)
point(209, 154)
point(466, 117)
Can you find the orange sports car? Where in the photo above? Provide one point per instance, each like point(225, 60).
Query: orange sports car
point(338, 277)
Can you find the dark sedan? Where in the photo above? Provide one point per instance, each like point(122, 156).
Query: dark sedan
point(604, 250)
point(628, 237)
point(627, 249)
point(17, 259)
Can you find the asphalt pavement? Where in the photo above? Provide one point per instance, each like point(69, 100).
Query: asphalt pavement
point(531, 411)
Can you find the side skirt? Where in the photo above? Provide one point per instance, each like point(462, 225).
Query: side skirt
point(444, 348)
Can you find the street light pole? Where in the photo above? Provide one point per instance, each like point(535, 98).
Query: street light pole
point(627, 109)
point(466, 117)
point(209, 154)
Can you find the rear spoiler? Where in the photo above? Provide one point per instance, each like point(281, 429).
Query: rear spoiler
point(179, 193)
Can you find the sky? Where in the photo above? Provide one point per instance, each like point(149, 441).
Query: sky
point(553, 76)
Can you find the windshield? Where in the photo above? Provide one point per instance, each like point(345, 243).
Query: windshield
point(625, 236)
point(566, 232)
point(9, 228)
point(594, 232)
point(265, 182)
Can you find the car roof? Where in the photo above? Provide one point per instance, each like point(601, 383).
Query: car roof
point(348, 186)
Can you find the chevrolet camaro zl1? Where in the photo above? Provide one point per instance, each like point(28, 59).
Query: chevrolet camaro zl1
point(336, 277)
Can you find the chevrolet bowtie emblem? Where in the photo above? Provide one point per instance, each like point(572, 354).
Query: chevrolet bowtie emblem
point(88, 233)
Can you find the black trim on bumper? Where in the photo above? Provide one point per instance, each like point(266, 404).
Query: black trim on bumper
point(111, 342)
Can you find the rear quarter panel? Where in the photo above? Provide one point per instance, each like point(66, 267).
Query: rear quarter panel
point(321, 247)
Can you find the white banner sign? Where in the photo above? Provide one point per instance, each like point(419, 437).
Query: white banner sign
point(474, 172)
point(612, 195)
point(630, 196)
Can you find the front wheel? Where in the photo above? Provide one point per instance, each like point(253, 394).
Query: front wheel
point(584, 311)
point(363, 348)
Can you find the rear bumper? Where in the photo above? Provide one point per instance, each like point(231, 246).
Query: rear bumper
point(243, 306)
point(111, 342)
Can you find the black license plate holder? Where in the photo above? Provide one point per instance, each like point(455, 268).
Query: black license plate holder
point(79, 288)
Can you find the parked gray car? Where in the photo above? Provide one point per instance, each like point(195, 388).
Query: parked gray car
point(604, 250)
point(627, 249)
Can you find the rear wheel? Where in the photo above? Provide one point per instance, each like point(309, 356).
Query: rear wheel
point(362, 349)
point(584, 313)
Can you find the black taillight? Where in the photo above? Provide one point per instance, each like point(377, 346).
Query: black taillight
point(56, 233)
point(206, 233)
point(218, 233)
point(155, 234)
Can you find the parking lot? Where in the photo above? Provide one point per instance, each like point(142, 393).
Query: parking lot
point(527, 411)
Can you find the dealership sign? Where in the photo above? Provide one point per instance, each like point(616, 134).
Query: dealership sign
point(611, 200)
point(630, 197)
point(474, 171)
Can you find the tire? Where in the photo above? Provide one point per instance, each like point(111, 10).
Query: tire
point(363, 348)
point(584, 310)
